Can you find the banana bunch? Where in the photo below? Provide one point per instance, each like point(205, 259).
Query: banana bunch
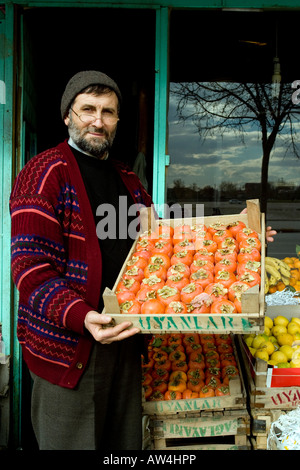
point(276, 270)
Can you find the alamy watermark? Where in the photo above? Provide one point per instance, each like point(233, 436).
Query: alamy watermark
point(296, 94)
point(2, 92)
point(125, 222)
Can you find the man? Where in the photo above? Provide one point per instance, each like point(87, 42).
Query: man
point(86, 378)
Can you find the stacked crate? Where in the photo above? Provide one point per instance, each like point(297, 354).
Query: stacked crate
point(202, 423)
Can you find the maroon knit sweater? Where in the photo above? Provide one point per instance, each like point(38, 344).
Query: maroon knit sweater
point(56, 262)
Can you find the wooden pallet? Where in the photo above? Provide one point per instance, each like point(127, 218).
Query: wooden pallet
point(253, 300)
point(261, 421)
point(227, 430)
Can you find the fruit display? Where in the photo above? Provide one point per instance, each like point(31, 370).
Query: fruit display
point(282, 273)
point(279, 345)
point(188, 365)
point(190, 269)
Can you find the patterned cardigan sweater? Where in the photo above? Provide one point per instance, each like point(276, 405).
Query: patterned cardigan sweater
point(56, 262)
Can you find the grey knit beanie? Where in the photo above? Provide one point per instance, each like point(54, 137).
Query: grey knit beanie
point(82, 80)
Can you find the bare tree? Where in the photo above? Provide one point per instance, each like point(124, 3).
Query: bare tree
point(224, 106)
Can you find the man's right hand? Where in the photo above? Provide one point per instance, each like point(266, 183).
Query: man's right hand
point(94, 322)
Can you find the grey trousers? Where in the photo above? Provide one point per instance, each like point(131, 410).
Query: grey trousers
point(103, 413)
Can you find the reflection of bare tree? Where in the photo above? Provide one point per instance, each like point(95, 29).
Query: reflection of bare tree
point(223, 106)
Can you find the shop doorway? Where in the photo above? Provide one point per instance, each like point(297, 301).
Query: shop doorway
point(55, 44)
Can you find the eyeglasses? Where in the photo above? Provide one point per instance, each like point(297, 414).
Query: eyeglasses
point(107, 117)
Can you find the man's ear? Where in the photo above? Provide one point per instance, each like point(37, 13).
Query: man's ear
point(67, 120)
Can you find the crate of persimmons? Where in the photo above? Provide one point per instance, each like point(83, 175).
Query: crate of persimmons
point(191, 372)
point(192, 275)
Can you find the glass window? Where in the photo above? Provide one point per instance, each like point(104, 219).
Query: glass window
point(229, 93)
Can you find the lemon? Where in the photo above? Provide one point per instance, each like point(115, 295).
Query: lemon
point(278, 329)
point(262, 354)
point(272, 339)
point(278, 356)
point(295, 320)
point(253, 351)
point(285, 338)
point(287, 350)
point(283, 365)
point(257, 341)
point(267, 346)
point(267, 331)
point(297, 337)
point(280, 320)
point(268, 322)
point(295, 363)
point(293, 328)
point(272, 362)
point(249, 341)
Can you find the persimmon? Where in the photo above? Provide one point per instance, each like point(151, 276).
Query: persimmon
point(212, 362)
point(179, 268)
point(236, 289)
point(201, 263)
point(183, 256)
point(225, 277)
point(138, 261)
point(246, 254)
point(248, 266)
point(231, 371)
point(176, 307)
point(134, 273)
point(207, 338)
point(222, 390)
point(235, 227)
point(125, 295)
point(146, 379)
point(185, 244)
point(227, 360)
point(196, 363)
point(159, 355)
point(160, 259)
point(163, 364)
point(228, 243)
point(181, 232)
point(152, 282)
point(190, 291)
point(178, 375)
point(172, 395)
point(160, 373)
point(206, 244)
point(196, 355)
point(222, 338)
point(147, 391)
point(238, 304)
point(165, 228)
point(250, 242)
point(152, 306)
point(158, 341)
point(213, 372)
point(208, 346)
point(179, 365)
point(216, 291)
point(225, 264)
point(177, 355)
point(130, 307)
point(147, 365)
point(188, 394)
point(204, 255)
point(202, 277)
point(144, 244)
point(143, 253)
point(222, 253)
point(213, 228)
point(160, 385)
point(189, 348)
point(197, 373)
point(198, 228)
point(223, 307)
point(204, 308)
point(245, 233)
point(168, 294)
point(175, 338)
point(145, 294)
point(206, 392)
point(177, 385)
point(212, 381)
point(190, 338)
point(250, 277)
point(178, 281)
point(163, 247)
point(148, 235)
point(195, 384)
point(212, 353)
point(128, 285)
point(220, 235)
point(156, 395)
point(224, 348)
point(157, 270)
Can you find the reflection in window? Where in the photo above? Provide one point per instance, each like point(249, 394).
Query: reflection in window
point(221, 130)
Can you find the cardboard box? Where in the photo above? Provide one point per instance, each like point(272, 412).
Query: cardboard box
point(253, 306)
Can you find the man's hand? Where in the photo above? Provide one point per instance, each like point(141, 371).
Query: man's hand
point(105, 335)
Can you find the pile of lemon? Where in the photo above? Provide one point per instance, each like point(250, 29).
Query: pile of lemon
point(279, 345)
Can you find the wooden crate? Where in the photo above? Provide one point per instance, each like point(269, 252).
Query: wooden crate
point(260, 395)
point(227, 430)
point(261, 421)
point(253, 300)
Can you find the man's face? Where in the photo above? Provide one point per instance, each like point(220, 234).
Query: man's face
point(95, 138)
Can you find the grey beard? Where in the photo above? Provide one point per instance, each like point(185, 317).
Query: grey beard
point(93, 147)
